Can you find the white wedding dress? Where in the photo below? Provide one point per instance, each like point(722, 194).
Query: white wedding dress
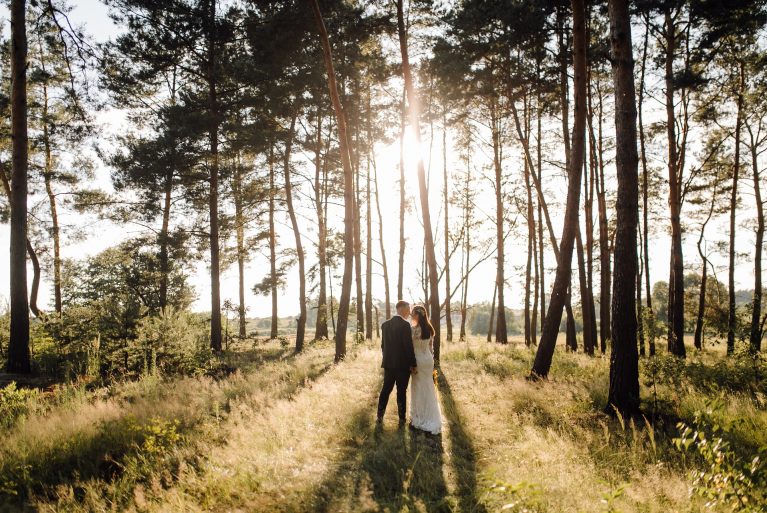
point(424, 406)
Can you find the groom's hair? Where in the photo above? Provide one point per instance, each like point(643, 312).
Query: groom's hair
point(401, 304)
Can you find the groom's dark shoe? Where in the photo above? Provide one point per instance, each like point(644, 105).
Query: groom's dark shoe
point(402, 422)
point(379, 420)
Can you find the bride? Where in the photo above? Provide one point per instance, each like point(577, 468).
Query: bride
point(424, 407)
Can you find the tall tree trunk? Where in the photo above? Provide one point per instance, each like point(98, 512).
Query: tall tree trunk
point(529, 323)
point(239, 221)
point(467, 222)
point(545, 352)
point(645, 186)
point(604, 242)
point(30, 252)
point(624, 360)
point(387, 294)
point(500, 278)
point(368, 233)
point(755, 336)
point(320, 177)
point(589, 339)
point(360, 302)
point(676, 281)
point(445, 191)
point(732, 319)
point(48, 179)
point(301, 322)
point(431, 258)
point(346, 284)
point(402, 202)
point(491, 322)
point(215, 284)
point(273, 330)
point(18, 344)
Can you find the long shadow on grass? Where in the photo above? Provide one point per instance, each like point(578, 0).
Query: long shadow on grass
point(384, 468)
point(101, 454)
point(464, 459)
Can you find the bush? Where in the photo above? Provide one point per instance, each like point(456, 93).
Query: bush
point(174, 342)
point(727, 479)
point(14, 403)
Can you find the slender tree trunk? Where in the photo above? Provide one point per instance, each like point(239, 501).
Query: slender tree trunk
point(369, 234)
point(529, 323)
point(273, 330)
point(445, 191)
point(732, 319)
point(18, 344)
point(640, 324)
point(676, 281)
point(645, 185)
point(545, 352)
point(624, 360)
point(755, 337)
point(215, 285)
point(301, 322)
point(239, 221)
point(402, 202)
point(491, 323)
point(30, 252)
point(604, 242)
point(48, 179)
point(586, 311)
point(346, 285)
point(431, 257)
point(467, 220)
point(382, 245)
point(500, 278)
point(320, 177)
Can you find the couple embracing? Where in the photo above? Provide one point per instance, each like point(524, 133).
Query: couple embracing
point(407, 344)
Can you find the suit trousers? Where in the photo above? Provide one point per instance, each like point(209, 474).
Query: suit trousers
point(392, 377)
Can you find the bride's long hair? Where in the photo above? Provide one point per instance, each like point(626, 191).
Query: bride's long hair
point(427, 330)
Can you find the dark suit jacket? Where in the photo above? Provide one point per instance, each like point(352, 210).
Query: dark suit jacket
point(397, 344)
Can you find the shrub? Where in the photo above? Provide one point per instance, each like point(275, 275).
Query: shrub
point(726, 479)
point(15, 402)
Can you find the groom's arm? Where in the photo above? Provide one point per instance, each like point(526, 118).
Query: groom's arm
point(407, 337)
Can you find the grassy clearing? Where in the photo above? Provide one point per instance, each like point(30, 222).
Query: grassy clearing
point(95, 451)
point(295, 433)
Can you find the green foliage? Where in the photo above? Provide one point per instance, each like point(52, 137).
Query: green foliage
point(15, 402)
point(175, 341)
point(727, 478)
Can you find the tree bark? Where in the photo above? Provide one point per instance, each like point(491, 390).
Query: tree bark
point(624, 360)
point(215, 284)
point(676, 281)
point(402, 202)
point(755, 336)
point(239, 221)
point(431, 258)
point(346, 284)
point(445, 191)
point(491, 323)
point(321, 327)
point(273, 331)
point(387, 293)
point(301, 322)
point(732, 320)
point(545, 352)
point(18, 344)
point(369, 238)
point(500, 278)
point(48, 179)
point(645, 186)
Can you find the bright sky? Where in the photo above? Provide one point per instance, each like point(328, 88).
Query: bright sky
point(93, 15)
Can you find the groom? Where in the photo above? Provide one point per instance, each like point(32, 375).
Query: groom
point(398, 359)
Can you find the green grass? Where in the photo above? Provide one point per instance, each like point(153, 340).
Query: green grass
point(294, 433)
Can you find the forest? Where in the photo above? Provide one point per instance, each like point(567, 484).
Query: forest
point(213, 206)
